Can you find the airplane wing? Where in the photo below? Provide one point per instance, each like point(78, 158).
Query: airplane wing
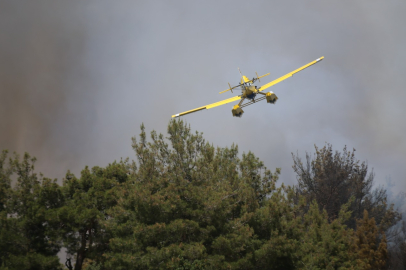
point(209, 106)
point(284, 77)
point(260, 89)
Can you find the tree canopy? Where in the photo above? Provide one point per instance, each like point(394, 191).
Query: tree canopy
point(332, 178)
point(185, 204)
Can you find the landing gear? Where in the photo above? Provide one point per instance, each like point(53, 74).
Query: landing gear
point(237, 111)
point(271, 97)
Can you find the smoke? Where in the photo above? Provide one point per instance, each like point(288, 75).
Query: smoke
point(78, 78)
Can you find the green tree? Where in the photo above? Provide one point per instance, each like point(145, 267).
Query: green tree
point(185, 204)
point(189, 205)
point(27, 234)
point(87, 201)
point(6, 170)
point(326, 245)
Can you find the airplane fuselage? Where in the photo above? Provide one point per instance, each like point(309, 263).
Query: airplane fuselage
point(249, 91)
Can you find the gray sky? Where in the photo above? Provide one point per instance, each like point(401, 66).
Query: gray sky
point(77, 78)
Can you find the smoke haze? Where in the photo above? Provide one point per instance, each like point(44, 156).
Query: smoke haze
point(78, 78)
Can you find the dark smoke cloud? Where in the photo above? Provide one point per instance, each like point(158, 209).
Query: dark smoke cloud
point(78, 78)
point(39, 49)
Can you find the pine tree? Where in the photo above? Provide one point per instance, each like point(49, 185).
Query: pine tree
point(370, 256)
point(188, 204)
point(27, 233)
point(185, 204)
point(6, 170)
point(325, 244)
point(87, 201)
point(332, 178)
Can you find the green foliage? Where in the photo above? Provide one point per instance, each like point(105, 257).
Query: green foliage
point(93, 266)
point(185, 204)
point(191, 206)
point(27, 235)
point(87, 201)
point(326, 245)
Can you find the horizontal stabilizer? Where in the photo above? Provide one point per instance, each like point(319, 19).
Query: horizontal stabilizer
point(229, 89)
point(261, 76)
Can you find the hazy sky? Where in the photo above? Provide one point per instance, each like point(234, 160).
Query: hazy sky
point(77, 78)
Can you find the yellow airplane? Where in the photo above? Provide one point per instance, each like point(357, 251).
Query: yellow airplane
point(249, 91)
